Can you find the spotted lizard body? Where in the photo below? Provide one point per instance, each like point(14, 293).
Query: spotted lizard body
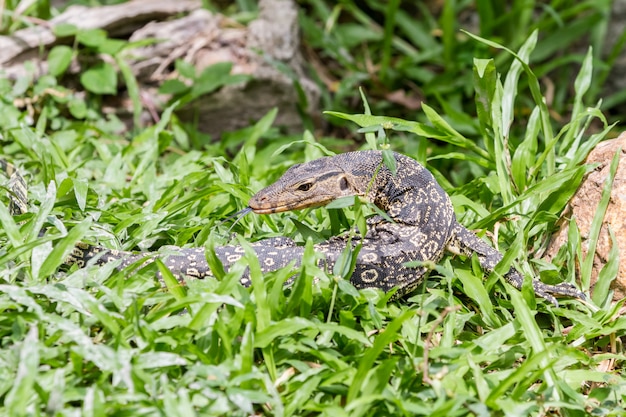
point(423, 227)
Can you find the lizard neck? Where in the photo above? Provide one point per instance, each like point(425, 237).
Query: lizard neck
point(412, 197)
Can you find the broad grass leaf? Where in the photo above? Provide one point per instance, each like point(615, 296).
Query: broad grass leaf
point(307, 139)
point(295, 325)
point(38, 256)
point(503, 114)
point(215, 264)
point(300, 300)
point(390, 161)
point(103, 356)
point(370, 138)
point(393, 123)
point(598, 220)
point(173, 86)
point(212, 78)
point(21, 297)
point(77, 108)
point(574, 248)
point(581, 86)
point(527, 321)
point(21, 393)
point(521, 378)
point(63, 30)
point(371, 129)
point(261, 127)
point(604, 323)
point(81, 301)
point(524, 156)
point(100, 79)
point(263, 309)
point(307, 232)
point(9, 226)
point(376, 382)
point(347, 288)
point(448, 134)
point(284, 327)
point(63, 248)
point(608, 273)
point(555, 201)
point(342, 202)
point(151, 360)
point(577, 154)
point(496, 336)
point(92, 37)
point(512, 80)
point(584, 326)
point(185, 69)
point(47, 204)
point(132, 86)
point(59, 59)
point(173, 285)
point(535, 90)
point(276, 297)
point(548, 184)
point(179, 403)
point(81, 188)
point(212, 302)
point(474, 288)
point(345, 263)
point(112, 47)
point(485, 77)
point(303, 395)
point(368, 362)
point(245, 360)
point(460, 200)
point(459, 156)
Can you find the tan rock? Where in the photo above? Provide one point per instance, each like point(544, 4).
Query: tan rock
point(583, 206)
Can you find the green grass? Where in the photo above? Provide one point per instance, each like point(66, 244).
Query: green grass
point(419, 49)
point(96, 341)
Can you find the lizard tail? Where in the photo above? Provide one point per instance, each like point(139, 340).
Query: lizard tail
point(464, 242)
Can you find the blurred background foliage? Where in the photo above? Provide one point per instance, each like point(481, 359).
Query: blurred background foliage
point(404, 54)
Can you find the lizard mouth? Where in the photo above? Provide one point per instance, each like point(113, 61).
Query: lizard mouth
point(260, 206)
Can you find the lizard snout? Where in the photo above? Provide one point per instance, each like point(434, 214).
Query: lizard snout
point(260, 204)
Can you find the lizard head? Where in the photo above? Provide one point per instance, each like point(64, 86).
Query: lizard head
point(311, 184)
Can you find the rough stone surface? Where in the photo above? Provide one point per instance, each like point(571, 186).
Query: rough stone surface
point(583, 205)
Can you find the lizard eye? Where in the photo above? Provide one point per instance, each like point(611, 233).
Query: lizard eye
point(305, 187)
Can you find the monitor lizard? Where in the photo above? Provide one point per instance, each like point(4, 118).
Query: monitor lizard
point(423, 227)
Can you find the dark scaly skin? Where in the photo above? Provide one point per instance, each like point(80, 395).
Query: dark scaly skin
point(423, 227)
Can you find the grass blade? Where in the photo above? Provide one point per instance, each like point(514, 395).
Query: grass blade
point(367, 363)
point(63, 248)
point(596, 224)
point(21, 393)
